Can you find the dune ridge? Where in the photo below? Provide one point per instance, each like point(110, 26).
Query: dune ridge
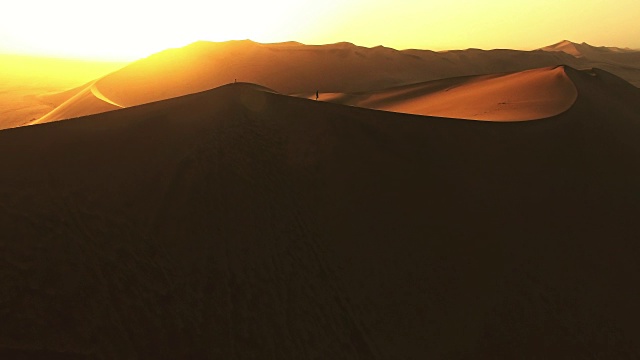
point(240, 223)
point(96, 92)
point(87, 101)
point(624, 63)
point(586, 50)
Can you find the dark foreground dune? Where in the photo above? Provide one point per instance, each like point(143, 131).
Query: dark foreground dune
point(239, 223)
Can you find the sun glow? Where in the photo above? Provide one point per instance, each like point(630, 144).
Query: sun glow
point(130, 29)
point(126, 29)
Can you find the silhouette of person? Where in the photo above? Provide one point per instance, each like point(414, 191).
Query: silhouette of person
point(317, 95)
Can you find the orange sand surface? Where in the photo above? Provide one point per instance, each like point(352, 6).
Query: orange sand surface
point(527, 95)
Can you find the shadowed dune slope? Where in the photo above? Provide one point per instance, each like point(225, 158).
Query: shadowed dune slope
point(527, 95)
point(238, 223)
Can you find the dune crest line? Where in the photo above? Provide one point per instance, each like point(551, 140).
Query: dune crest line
point(96, 92)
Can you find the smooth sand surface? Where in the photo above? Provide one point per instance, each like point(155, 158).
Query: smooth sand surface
point(238, 223)
point(527, 95)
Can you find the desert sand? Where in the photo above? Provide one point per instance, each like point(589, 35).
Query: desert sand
point(528, 95)
point(240, 223)
point(624, 63)
point(31, 86)
point(88, 101)
point(293, 68)
point(602, 54)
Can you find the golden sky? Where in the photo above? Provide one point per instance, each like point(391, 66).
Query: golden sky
point(130, 29)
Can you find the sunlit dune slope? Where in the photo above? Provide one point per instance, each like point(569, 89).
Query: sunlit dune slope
point(57, 99)
point(88, 101)
point(32, 86)
point(238, 223)
point(527, 95)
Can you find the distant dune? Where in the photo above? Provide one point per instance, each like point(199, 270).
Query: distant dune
point(30, 86)
point(527, 95)
point(86, 102)
point(239, 223)
point(624, 63)
point(593, 52)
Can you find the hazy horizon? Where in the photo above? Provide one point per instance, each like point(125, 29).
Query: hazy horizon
point(129, 30)
point(124, 60)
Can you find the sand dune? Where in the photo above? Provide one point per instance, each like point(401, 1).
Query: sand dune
point(88, 101)
point(595, 53)
point(294, 68)
point(527, 95)
point(291, 68)
point(565, 46)
point(96, 92)
point(624, 63)
point(238, 223)
point(31, 86)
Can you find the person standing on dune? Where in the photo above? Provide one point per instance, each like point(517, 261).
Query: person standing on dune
point(317, 95)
